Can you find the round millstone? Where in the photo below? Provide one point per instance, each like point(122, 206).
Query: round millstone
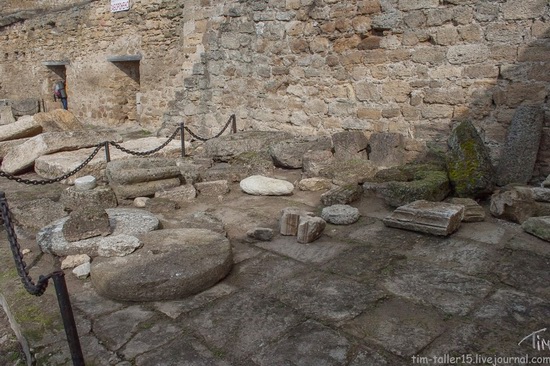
point(340, 214)
point(171, 265)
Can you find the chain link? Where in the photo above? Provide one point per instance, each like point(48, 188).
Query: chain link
point(206, 139)
point(53, 180)
point(34, 289)
point(144, 153)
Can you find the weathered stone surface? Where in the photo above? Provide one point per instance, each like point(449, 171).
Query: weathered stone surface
point(57, 164)
point(82, 271)
point(471, 172)
point(290, 219)
point(213, 188)
point(23, 156)
point(309, 229)
point(23, 127)
point(227, 146)
point(313, 162)
point(514, 205)
point(340, 214)
point(315, 184)
point(58, 120)
point(260, 233)
point(25, 107)
point(541, 194)
point(125, 191)
point(289, 153)
point(72, 261)
point(387, 149)
point(85, 183)
point(126, 224)
point(427, 185)
point(72, 198)
point(350, 145)
point(473, 212)
point(5, 146)
point(190, 172)
point(342, 195)
point(86, 222)
point(538, 226)
point(183, 193)
point(519, 154)
point(138, 170)
point(141, 202)
point(349, 171)
point(192, 260)
point(37, 213)
point(438, 218)
point(259, 185)
point(448, 291)
point(6, 115)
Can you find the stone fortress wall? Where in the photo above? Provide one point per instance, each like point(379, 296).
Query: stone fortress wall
point(305, 66)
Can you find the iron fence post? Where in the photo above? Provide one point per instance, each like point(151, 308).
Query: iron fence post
point(182, 138)
point(234, 123)
point(68, 317)
point(107, 153)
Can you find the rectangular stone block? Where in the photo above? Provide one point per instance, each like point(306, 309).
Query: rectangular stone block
point(437, 218)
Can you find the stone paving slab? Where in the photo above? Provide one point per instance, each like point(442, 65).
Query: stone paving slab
point(325, 296)
point(319, 251)
point(448, 291)
point(254, 321)
point(400, 326)
point(521, 270)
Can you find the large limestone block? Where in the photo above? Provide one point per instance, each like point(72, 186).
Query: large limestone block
point(125, 191)
point(58, 164)
point(172, 264)
point(23, 127)
point(126, 224)
point(350, 145)
point(538, 226)
point(6, 146)
point(227, 146)
point(103, 196)
point(387, 149)
point(438, 218)
point(520, 150)
point(58, 120)
point(289, 153)
point(6, 115)
point(471, 172)
point(23, 156)
point(259, 185)
point(138, 170)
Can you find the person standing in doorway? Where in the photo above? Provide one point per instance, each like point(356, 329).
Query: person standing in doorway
point(59, 92)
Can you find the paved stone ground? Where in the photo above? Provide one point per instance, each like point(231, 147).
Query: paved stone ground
point(362, 294)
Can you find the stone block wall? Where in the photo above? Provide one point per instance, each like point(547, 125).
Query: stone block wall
point(306, 66)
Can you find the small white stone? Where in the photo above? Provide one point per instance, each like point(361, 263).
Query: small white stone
point(141, 201)
point(83, 270)
point(72, 261)
point(85, 183)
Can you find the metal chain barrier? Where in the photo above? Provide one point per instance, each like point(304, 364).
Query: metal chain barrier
point(232, 120)
point(144, 153)
point(53, 180)
point(39, 288)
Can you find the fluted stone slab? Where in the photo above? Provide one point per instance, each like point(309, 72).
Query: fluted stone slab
point(473, 212)
point(173, 264)
point(290, 219)
point(438, 218)
point(310, 229)
point(126, 223)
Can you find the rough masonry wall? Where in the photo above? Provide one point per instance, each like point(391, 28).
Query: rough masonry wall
point(413, 67)
point(86, 34)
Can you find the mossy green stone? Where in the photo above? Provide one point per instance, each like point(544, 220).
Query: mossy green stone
point(428, 185)
point(468, 163)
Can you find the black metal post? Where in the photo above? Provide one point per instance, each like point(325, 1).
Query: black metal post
point(234, 123)
point(182, 139)
point(107, 153)
point(68, 318)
